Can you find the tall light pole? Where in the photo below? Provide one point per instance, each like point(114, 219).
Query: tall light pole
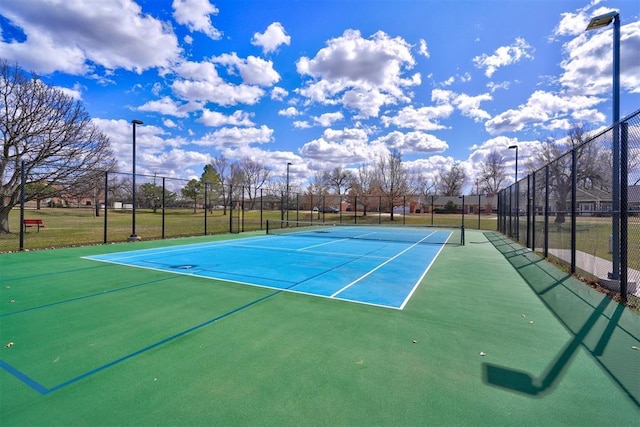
point(517, 187)
point(134, 237)
point(288, 165)
point(602, 21)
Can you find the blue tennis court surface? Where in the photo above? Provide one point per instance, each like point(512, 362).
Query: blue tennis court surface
point(377, 272)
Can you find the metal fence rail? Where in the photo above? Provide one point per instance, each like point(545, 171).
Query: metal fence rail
point(570, 209)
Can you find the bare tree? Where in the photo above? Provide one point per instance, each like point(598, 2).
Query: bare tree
point(392, 178)
point(450, 182)
point(317, 188)
point(91, 186)
point(425, 187)
point(254, 174)
point(47, 132)
point(339, 179)
point(363, 187)
point(236, 184)
point(493, 173)
point(594, 167)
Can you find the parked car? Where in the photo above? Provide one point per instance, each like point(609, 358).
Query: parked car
point(330, 209)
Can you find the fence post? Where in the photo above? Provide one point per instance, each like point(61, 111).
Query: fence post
point(546, 211)
point(205, 208)
point(22, 184)
point(106, 203)
point(241, 222)
point(527, 239)
point(230, 208)
point(574, 185)
point(281, 205)
point(517, 184)
point(624, 219)
point(163, 204)
point(324, 206)
point(432, 197)
point(533, 211)
point(404, 207)
point(479, 202)
point(499, 210)
point(355, 209)
point(511, 204)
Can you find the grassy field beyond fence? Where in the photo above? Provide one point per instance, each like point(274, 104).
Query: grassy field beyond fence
point(80, 226)
point(76, 226)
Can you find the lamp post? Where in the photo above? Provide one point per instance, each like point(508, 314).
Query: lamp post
point(515, 147)
point(511, 147)
point(288, 165)
point(602, 21)
point(134, 237)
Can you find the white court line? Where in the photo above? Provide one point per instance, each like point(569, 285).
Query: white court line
point(165, 250)
point(424, 273)
point(379, 266)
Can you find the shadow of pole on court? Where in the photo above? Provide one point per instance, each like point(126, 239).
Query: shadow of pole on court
point(523, 382)
point(567, 313)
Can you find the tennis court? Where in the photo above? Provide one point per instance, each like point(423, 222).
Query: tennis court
point(381, 266)
point(151, 333)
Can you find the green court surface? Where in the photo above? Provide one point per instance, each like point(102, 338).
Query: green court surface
point(492, 336)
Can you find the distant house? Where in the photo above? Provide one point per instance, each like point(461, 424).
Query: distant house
point(593, 202)
point(633, 200)
point(596, 202)
point(473, 204)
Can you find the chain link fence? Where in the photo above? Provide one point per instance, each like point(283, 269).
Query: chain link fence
point(100, 208)
point(575, 210)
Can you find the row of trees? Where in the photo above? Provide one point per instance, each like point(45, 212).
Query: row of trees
point(49, 138)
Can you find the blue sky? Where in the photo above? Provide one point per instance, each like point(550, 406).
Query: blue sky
point(328, 82)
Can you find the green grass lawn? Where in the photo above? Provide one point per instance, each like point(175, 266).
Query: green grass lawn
point(74, 227)
point(77, 226)
point(592, 237)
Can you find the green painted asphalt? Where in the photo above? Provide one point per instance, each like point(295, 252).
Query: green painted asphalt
point(492, 336)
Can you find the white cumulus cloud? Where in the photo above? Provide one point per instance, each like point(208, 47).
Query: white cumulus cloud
point(273, 37)
point(503, 56)
point(196, 15)
point(76, 37)
point(351, 66)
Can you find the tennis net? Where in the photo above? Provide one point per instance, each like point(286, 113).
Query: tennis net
point(440, 235)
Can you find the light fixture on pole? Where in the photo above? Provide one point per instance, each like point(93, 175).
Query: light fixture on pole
point(515, 147)
point(134, 237)
point(288, 165)
point(517, 187)
point(602, 21)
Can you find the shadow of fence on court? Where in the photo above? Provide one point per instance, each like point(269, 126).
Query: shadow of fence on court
point(604, 328)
